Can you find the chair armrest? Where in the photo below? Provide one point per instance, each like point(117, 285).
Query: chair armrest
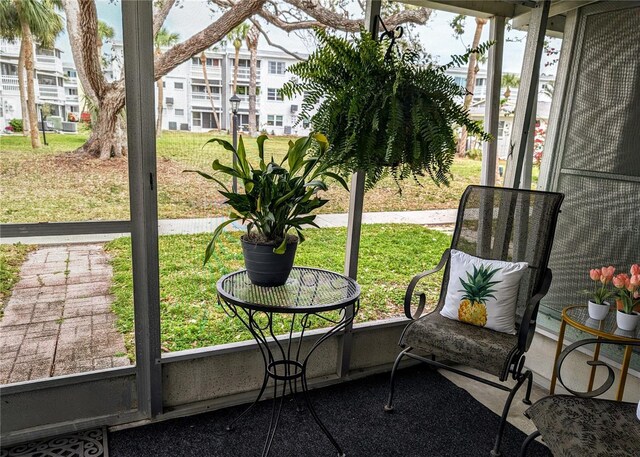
point(528, 323)
point(611, 375)
point(422, 297)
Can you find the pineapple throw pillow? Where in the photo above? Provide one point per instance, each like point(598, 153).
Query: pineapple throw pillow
point(483, 292)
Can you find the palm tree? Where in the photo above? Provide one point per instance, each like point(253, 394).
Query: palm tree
point(162, 38)
point(203, 61)
point(105, 33)
point(472, 70)
point(30, 20)
point(237, 36)
point(252, 44)
point(509, 80)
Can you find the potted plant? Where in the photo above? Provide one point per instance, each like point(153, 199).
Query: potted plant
point(598, 306)
point(629, 296)
point(384, 111)
point(275, 199)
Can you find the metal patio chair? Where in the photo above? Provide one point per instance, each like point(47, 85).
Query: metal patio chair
point(499, 224)
point(580, 424)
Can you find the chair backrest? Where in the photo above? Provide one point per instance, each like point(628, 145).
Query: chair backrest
point(508, 224)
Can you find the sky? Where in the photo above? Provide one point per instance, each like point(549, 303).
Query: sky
point(436, 36)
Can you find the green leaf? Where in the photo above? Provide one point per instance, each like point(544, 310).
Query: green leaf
point(216, 233)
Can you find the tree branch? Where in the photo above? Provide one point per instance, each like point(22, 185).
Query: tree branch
point(161, 14)
point(206, 37)
point(271, 43)
point(288, 26)
point(328, 18)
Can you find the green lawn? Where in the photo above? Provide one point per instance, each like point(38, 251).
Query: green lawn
point(390, 255)
point(51, 185)
point(11, 259)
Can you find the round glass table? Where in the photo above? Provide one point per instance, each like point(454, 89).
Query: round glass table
point(309, 294)
point(577, 316)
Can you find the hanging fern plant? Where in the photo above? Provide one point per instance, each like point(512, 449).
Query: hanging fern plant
point(383, 112)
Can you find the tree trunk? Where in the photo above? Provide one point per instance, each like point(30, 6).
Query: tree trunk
point(23, 92)
point(203, 61)
point(108, 138)
point(27, 42)
point(160, 86)
point(472, 70)
point(252, 43)
point(235, 69)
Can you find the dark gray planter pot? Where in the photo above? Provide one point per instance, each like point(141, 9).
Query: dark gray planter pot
point(265, 268)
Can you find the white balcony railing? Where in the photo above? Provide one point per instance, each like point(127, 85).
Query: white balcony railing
point(245, 73)
point(201, 96)
point(212, 73)
point(10, 84)
point(10, 49)
point(50, 92)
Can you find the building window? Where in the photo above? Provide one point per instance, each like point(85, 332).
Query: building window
point(305, 124)
point(72, 91)
point(203, 89)
point(480, 82)
point(46, 80)
point(276, 68)
point(173, 126)
point(178, 85)
point(179, 112)
point(72, 74)
point(500, 129)
point(275, 120)
point(460, 81)
point(196, 119)
point(274, 95)
point(184, 126)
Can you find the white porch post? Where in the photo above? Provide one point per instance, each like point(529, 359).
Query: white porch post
point(356, 203)
point(492, 101)
point(527, 94)
point(137, 22)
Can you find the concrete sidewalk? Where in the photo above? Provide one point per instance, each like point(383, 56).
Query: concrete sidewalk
point(207, 225)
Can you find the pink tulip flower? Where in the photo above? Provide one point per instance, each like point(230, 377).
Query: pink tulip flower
point(635, 269)
point(635, 280)
point(595, 274)
point(620, 281)
point(606, 274)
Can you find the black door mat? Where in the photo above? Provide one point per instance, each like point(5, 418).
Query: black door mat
point(77, 444)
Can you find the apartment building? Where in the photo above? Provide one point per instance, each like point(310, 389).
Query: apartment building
point(507, 104)
point(187, 105)
point(56, 83)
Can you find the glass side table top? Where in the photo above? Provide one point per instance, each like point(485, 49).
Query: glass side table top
point(307, 290)
point(578, 316)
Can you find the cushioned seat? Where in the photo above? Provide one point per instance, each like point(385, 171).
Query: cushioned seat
point(576, 427)
point(462, 343)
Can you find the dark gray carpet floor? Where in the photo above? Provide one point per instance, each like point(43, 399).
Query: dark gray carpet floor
point(433, 417)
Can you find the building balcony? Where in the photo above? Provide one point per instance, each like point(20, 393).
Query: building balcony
point(48, 63)
point(51, 92)
point(10, 84)
point(244, 74)
point(10, 49)
point(212, 73)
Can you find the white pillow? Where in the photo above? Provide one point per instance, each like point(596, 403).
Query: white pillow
point(466, 292)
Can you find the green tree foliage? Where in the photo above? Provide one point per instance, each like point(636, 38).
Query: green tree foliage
point(382, 114)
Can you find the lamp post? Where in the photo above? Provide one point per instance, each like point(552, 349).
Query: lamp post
point(235, 102)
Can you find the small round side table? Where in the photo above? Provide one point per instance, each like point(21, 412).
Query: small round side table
point(308, 293)
point(577, 316)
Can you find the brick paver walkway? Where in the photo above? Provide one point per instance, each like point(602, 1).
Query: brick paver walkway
point(58, 319)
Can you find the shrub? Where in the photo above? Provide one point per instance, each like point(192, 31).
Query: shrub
point(475, 153)
point(16, 124)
